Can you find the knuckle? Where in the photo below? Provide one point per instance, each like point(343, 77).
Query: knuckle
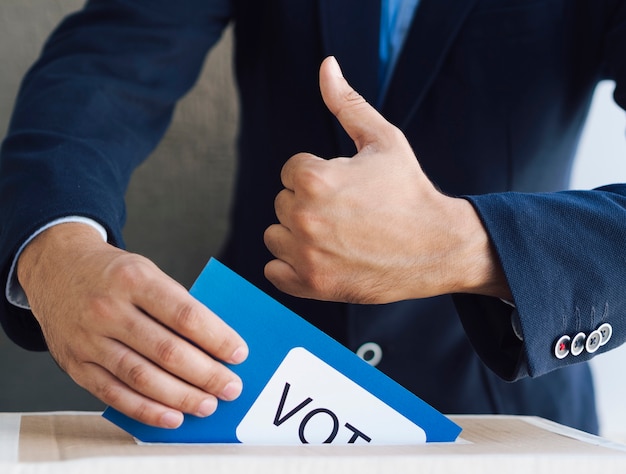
point(351, 100)
point(299, 160)
point(211, 382)
point(314, 181)
point(308, 224)
point(269, 235)
point(130, 271)
point(315, 281)
point(167, 352)
point(138, 377)
point(110, 394)
point(272, 242)
point(280, 201)
point(223, 345)
point(141, 412)
point(74, 369)
point(186, 318)
point(308, 175)
point(186, 403)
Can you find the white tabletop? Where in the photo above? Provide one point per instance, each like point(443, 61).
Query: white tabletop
point(68, 443)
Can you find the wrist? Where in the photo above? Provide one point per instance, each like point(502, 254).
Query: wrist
point(57, 241)
point(475, 265)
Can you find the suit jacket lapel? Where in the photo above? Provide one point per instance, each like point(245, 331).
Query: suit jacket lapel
point(350, 30)
point(435, 26)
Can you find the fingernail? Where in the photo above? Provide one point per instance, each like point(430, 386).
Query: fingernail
point(231, 391)
point(207, 407)
point(171, 419)
point(240, 354)
point(334, 65)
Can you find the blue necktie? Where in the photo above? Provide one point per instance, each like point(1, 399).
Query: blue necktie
point(395, 20)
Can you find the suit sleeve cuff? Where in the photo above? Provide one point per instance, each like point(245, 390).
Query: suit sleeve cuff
point(493, 327)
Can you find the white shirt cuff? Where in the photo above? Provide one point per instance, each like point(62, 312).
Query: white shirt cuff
point(14, 291)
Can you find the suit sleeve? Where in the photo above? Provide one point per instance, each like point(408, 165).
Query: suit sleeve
point(564, 256)
point(89, 111)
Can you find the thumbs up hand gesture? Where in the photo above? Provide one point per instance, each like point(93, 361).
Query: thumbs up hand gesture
point(372, 228)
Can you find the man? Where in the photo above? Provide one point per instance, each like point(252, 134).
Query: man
point(491, 97)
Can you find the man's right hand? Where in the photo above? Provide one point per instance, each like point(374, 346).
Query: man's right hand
point(125, 331)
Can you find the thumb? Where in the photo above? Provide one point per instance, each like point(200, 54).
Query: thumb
point(359, 119)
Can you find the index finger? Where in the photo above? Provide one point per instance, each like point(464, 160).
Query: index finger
point(292, 169)
point(171, 304)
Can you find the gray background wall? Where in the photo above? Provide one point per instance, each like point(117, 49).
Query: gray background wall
point(178, 200)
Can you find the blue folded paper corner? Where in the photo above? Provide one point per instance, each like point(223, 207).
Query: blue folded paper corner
point(299, 385)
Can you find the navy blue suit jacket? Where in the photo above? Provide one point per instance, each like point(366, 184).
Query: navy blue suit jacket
point(491, 94)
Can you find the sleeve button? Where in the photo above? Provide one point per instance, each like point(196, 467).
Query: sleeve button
point(606, 331)
point(593, 341)
point(561, 348)
point(578, 343)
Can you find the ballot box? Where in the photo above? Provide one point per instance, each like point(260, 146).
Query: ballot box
point(70, 442)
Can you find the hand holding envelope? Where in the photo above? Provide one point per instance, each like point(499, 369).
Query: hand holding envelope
point(125, 331)
point(372, 228)
point(299, 385)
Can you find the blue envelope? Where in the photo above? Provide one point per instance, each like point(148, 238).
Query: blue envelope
point(299, 385)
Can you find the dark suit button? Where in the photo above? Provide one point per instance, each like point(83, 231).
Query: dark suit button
point(561, 348)
point(371, 353)
point(578, 343)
